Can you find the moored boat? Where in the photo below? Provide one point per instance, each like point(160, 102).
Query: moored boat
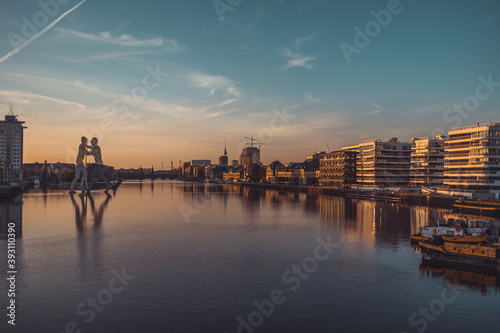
point(429, 232)
point(464, 239)
point(485, 255)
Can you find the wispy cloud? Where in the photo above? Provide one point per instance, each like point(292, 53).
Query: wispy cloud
point(376, 109)
point(310, 97)
point(38, 35)
point(24, 97)
point(104, 56)
point(488, 20)
point(212, 82)
point(299, 41)
point(126, 40)
point(297, 60)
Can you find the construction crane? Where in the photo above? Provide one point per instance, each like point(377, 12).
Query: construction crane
point(252, 141)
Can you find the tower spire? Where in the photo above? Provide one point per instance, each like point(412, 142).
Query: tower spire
point(11, 109)
point(225, 151)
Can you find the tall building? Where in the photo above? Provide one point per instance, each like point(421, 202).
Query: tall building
point(337, 168)
point(223, 160)
point(383, 163)
point(249, 156)
point(472, 157)
point(427, 161)
point(11, 147)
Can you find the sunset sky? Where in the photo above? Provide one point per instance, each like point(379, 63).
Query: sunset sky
point(80, 70)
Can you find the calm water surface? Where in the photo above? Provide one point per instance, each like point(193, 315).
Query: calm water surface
point(198, 257)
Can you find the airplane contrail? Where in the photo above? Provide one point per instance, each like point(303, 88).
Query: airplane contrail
point(44, 30)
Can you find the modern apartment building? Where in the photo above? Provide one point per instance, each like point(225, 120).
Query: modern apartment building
point(383, 163)
point(427, 161)
point(338, 168)
point(11, 148)
point(472, 161)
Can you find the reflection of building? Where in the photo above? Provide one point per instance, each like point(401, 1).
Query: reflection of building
point(338, 210)
point(11, 147)
point(11, 211)
point(472, 162)
point(384, 163)
point(249, 156)
point(338, 168)
point(427, 161)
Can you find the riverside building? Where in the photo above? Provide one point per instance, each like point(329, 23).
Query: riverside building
point(427, 161)
point(472, 161)
point(11, 148)
point(383, 163)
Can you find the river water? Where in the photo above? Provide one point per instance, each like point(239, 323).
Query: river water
point(169, 256)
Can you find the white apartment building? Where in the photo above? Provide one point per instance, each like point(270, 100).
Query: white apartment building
point(384, 163)
point(11, 148)
point(472, 161)
point(427, 161)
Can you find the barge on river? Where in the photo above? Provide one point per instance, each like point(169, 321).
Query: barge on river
point(459, 251)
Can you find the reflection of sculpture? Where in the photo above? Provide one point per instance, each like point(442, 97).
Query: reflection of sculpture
point(98, 214)
point(81, 170)
point(80, 216)
point(98, 170)
point(81, 211)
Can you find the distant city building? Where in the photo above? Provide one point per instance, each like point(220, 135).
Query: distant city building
point(427, 161)
point(472, 161)
point(305, 173)
point(234, 163)
point(272, 171)
point(384, 163)
point(234, 175)
point(223, 160)
point(338, 168)
point(249, 156)
point(11, 147)
point(200, 162)
point(316, 155)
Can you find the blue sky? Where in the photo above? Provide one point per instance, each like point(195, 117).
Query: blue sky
point(229, 78)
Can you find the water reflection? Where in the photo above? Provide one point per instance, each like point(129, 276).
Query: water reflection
point(484, 281)
point(376, 222)
point(370, 224)
point(89, 246)
point(11, 211)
